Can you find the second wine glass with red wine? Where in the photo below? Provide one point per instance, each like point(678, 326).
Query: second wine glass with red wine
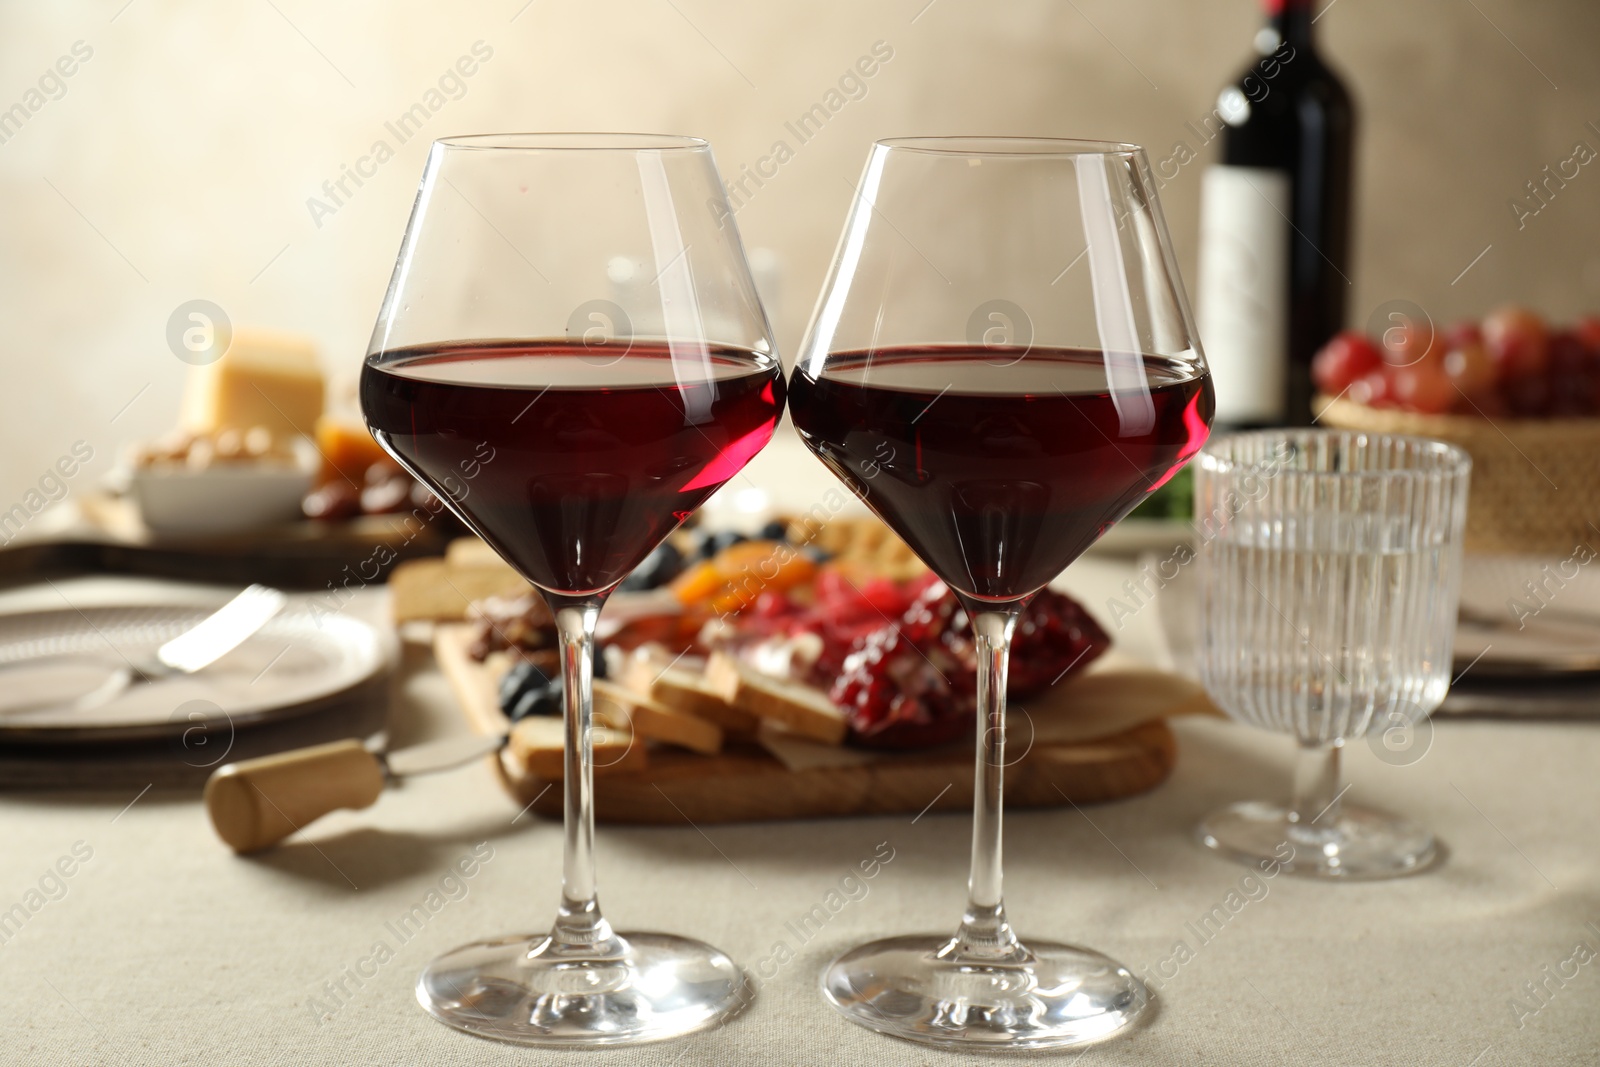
point(572, 355)
point(1002, 365)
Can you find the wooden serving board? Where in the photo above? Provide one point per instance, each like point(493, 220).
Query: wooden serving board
point(746, 783)
point(106, 537)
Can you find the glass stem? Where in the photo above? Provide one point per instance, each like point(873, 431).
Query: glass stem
point(985, 934)
point(579, 926)
point(1316, 793)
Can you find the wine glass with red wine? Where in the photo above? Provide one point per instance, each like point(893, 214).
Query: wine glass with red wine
point(1002, 365)
point(572, 356)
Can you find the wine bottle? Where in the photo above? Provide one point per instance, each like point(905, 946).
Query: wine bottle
point(1275, 225)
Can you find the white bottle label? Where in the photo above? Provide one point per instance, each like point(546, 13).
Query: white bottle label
point(1244, 290)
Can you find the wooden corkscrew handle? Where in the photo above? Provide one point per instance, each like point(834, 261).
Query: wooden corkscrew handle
point(256, 803)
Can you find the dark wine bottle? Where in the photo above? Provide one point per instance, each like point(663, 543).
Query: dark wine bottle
point(1275, 225)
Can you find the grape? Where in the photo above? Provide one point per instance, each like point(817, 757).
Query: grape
point(1343, 360)
point(1423, 388)
point(1510, 364)
point(1527, 396)
point(1568, 355)
point(1572, 395)
point(1463, 333)
point(1519, 343)
point(1588, 331)
point(1409, 341)
point(1572, 375)
point(1470, 367)
point(1372, 389)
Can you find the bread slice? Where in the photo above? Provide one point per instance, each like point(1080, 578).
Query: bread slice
point(656, 721)
point(686, 690)
point(804, 709)
point(537, 743)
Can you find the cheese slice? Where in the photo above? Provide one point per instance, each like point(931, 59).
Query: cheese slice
point(655, 720)
point(802, 709)
point(686, 690)
point(263, 379)
point(538, 744)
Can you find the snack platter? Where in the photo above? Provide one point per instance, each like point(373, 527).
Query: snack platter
point(721, 737)
point(638, 782)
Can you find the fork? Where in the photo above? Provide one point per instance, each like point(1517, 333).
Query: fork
point(195, 649)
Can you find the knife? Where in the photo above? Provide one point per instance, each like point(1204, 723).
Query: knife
point(256, 803)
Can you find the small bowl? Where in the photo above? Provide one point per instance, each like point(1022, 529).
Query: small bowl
point(226, 497)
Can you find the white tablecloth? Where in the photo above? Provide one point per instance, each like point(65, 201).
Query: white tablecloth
point(161, 948)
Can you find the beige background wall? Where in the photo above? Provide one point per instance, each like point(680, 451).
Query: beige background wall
point(178, 161)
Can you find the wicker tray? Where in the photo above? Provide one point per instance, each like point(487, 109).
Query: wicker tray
point(1535, 482)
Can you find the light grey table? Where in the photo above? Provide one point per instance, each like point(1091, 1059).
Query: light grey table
point(161, 948)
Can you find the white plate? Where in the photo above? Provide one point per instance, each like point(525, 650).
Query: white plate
point(1528, 617)
point(296, 663)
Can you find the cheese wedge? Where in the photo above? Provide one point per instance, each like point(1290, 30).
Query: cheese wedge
point(263, 379)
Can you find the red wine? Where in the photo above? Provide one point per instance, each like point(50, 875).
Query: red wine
point(1000, 476)
point(1275, 225)
point(571, 461)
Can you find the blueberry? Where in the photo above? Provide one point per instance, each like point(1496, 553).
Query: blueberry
point(815, 554)
point(526, 690)
point(658, 568)
point(775, 531)
point(542, 701)
point(521, 678)
point(719, 541)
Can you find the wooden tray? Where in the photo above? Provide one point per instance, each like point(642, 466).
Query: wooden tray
point(746, 783)
point(106, 536)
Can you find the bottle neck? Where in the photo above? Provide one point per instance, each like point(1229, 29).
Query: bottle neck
point(1292, 20)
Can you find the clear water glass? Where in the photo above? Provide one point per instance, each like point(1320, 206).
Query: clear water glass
point(1329, 568)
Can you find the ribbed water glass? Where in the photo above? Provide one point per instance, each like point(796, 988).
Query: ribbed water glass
point(1329, 569)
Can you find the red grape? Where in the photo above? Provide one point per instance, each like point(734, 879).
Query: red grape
point(1588, 331)
point(1572, 375)
point(1568, 354)
point(1409, 341)
point(1343, 360)
point(1527, 396)
point(1512, 364)
point(1572, 396)
point(1422, 388)
point(1469, 366)
point(1518, 341)
point(1372, 389)
point(1463, 333)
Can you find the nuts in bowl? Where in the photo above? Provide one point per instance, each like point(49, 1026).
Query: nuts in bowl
point(224, 482)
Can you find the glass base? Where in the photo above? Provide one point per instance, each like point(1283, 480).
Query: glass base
point(1361, 844)
point(527, 991)
point(1052, 996)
